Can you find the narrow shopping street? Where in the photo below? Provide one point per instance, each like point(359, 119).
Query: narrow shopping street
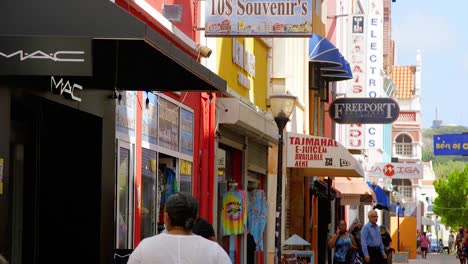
point(435, 259)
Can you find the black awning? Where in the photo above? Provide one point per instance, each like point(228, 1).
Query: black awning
point(126, 51)
point(320, 188)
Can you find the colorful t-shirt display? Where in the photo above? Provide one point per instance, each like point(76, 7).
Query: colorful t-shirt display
point(256, 219)
point(234, 213)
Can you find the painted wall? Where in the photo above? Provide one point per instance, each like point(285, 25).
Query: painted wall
point(407, 234)
point(242, 62)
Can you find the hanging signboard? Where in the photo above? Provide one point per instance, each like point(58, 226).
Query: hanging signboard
point(364, 110)
point(258, 18)
point(451, 144)
point(395, 170)
point(321, 156)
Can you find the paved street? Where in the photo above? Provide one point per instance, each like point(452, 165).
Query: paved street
point(435, 259)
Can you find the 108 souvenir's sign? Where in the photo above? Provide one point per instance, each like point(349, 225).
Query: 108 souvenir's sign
point(258, 18)
point(364, 110)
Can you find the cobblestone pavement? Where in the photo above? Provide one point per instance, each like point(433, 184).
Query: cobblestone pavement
point(435, 259)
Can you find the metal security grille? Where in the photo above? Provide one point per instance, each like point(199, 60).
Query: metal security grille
point(257, 157)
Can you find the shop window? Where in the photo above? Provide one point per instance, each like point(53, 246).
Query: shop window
point(168, 125)
point(124, 195)
point(168, 183)
point(185, 176)
point(149, 194)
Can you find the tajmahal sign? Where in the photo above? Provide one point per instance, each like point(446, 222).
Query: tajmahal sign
point(258, 18)
point(320, 156)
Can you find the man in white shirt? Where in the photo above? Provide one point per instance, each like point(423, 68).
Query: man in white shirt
point(179, 245)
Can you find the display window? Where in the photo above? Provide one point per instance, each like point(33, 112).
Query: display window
point(124, 195)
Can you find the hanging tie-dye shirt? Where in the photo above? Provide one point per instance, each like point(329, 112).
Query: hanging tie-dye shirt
point(234, 215)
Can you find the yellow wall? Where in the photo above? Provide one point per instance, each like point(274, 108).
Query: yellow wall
point(228, 70)
point(407, 234)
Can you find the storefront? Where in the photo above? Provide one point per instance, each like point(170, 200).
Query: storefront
point(243, 139)
point(71, 162)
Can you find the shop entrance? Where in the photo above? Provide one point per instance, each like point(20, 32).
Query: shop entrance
point(56, 183)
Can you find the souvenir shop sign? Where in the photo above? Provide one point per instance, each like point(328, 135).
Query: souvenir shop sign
point(396, 170)
point(258, 18)
point(320, 156)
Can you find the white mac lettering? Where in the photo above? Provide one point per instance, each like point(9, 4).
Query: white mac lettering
point(61, 87)
point(59, 56)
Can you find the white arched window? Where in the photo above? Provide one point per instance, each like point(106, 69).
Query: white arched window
point(404, 145)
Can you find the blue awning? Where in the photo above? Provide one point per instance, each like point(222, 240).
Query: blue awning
point(383, 202)
point(338, 74)
point(331, 62)
point(323, 52)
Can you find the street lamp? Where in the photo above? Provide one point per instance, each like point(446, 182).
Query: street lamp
point(281, 106)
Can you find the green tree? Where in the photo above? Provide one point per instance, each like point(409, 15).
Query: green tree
point(452, 198)
point(442, 170)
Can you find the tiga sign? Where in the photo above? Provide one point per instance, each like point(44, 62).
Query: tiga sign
point(396, 170)
point(364, 110)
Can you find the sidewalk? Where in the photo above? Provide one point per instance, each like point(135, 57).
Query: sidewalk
point(434, 258)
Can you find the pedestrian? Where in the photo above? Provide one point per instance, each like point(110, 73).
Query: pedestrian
point(465, 245)
point(387, 241)
point(356, 232)
point(459, 245)
point(371, 241)
point(203, 228)
point(451, 240)
point(344, 244)
point(179, 244)
point(425, 244)
point(251, 248)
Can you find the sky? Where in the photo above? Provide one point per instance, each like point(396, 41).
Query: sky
point(440, 30)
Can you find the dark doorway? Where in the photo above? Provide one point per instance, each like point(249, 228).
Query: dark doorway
point(60, 180)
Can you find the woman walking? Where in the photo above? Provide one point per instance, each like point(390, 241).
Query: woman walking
point(344, 244)
point(425, 244)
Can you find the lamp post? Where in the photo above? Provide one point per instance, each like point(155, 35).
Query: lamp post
point(281, 106)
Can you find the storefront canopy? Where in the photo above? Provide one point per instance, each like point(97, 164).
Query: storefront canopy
point(354, 192)
point(326, 56)
point(320, 156)
point(383, 201)
point(127, 53)
point(323, 52)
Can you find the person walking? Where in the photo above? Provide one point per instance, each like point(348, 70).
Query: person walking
point(179, 245)
point(425, 244)
point(371, 240)
point(344, 244)
point(451, 240)
point(459, 245)
point(356, 232)
point(387, 240)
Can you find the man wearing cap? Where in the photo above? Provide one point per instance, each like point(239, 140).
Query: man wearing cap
point(371, 240)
